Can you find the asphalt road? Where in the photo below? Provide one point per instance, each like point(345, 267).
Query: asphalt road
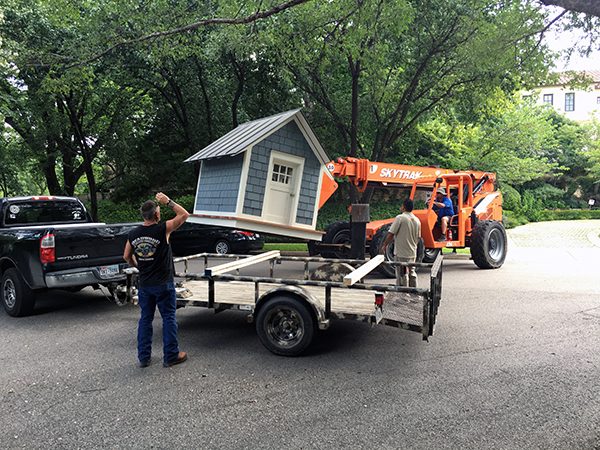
point(514, 363)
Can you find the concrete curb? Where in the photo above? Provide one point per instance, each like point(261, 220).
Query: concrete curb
point(594, 238)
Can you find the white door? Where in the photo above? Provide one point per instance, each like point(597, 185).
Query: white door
point(282, 190)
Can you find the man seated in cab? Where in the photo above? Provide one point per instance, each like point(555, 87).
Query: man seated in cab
point(443, 206)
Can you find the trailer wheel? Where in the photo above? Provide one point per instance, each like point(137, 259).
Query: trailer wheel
point(285, 326)
point(488, 244)
point(17, 298)
point(429, 254)
point(337, 233)
point(385, 269)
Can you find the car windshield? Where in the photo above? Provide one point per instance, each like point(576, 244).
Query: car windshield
point(43, 212)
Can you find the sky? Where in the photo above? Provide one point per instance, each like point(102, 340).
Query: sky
point(560, 41)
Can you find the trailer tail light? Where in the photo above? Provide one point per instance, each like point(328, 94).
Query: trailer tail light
point(378, 299)
point(47, 250)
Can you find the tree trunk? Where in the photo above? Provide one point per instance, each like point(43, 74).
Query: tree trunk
point(239, 74)
point(91, 179)
point(49, 170)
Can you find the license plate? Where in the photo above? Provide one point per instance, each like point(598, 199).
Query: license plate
point(109, 271)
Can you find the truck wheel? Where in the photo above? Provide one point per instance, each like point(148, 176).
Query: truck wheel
point(337, 233)
point(17, 298)
point(285, 326)
point(429, 254)
point(488, 244)
point(385, 269)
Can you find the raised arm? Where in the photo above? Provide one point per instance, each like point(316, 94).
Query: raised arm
point(181, 215)
point(128, 255)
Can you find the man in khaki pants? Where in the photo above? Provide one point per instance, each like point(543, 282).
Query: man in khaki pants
point(405, 232)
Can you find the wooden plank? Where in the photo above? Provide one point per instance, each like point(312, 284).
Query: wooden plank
point(234, 265)
point(362, 271)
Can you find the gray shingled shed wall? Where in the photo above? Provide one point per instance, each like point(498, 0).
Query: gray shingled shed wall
point(288, 139)
point(219, 184)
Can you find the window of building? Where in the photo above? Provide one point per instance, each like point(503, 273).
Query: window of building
point(570, 101)
point(549, 98)
point(598, 100)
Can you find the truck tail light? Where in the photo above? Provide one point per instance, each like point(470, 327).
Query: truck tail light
point(47, 251)
point(378, 299)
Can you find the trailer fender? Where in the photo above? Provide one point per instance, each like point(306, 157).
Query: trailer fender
point(301, 295)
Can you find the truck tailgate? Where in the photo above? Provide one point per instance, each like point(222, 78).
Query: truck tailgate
point(93, 245)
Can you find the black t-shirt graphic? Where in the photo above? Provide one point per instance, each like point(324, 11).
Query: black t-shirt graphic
point(153, 254)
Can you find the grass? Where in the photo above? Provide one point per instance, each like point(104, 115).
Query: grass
point(461, 251)
point(286, 247)
point(301, 247)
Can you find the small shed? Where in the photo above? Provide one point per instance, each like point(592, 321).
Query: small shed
point(265, 175)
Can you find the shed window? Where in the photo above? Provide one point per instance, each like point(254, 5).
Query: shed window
point(282, 174)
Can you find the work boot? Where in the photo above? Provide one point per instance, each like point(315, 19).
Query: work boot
point(442, 238)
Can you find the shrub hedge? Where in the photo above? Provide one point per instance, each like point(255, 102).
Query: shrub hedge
point(111, 212)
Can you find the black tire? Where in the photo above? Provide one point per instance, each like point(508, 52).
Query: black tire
point(429, 254)
point(222, 247)
point(384, 269)
point(337, 233)
point(17, 298)
point(420, 251)
point(312, 248)
point(285, 325)
point(488, 244)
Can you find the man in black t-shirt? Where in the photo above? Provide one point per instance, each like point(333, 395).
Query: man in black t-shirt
point(148, 249)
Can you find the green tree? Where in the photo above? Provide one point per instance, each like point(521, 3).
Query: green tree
point(376, 69)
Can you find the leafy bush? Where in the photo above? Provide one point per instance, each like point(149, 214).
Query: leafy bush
point(512, 219)
point(511, 198)
point(550, 197)
point(111, 212)
point(570, 214)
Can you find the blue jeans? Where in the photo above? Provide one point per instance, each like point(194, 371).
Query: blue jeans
point(149, 297)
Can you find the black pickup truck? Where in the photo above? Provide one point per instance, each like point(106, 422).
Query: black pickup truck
point(52, 243)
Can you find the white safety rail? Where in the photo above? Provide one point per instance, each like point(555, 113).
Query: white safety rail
point(364, 270)
point(235, 265)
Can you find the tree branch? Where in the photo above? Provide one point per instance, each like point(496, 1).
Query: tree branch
point(193, 27)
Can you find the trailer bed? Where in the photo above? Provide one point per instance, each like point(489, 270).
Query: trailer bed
point(402, 307)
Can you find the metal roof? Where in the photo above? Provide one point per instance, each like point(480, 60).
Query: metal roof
point(240, 138)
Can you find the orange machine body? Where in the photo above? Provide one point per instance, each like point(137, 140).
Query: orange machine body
point(474, 195)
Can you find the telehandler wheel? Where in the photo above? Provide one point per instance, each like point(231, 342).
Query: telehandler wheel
point(385, 269)
point(429, 254)
point(17, 298)
point(488, 244)
point(388, 270)
point(285, 326)
point(337, 233)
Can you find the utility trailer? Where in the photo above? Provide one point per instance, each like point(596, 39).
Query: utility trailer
point(288, 312)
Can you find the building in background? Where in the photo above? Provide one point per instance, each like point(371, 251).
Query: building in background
point(576, 103)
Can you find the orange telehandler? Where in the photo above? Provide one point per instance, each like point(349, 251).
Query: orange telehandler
point(476, 223)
